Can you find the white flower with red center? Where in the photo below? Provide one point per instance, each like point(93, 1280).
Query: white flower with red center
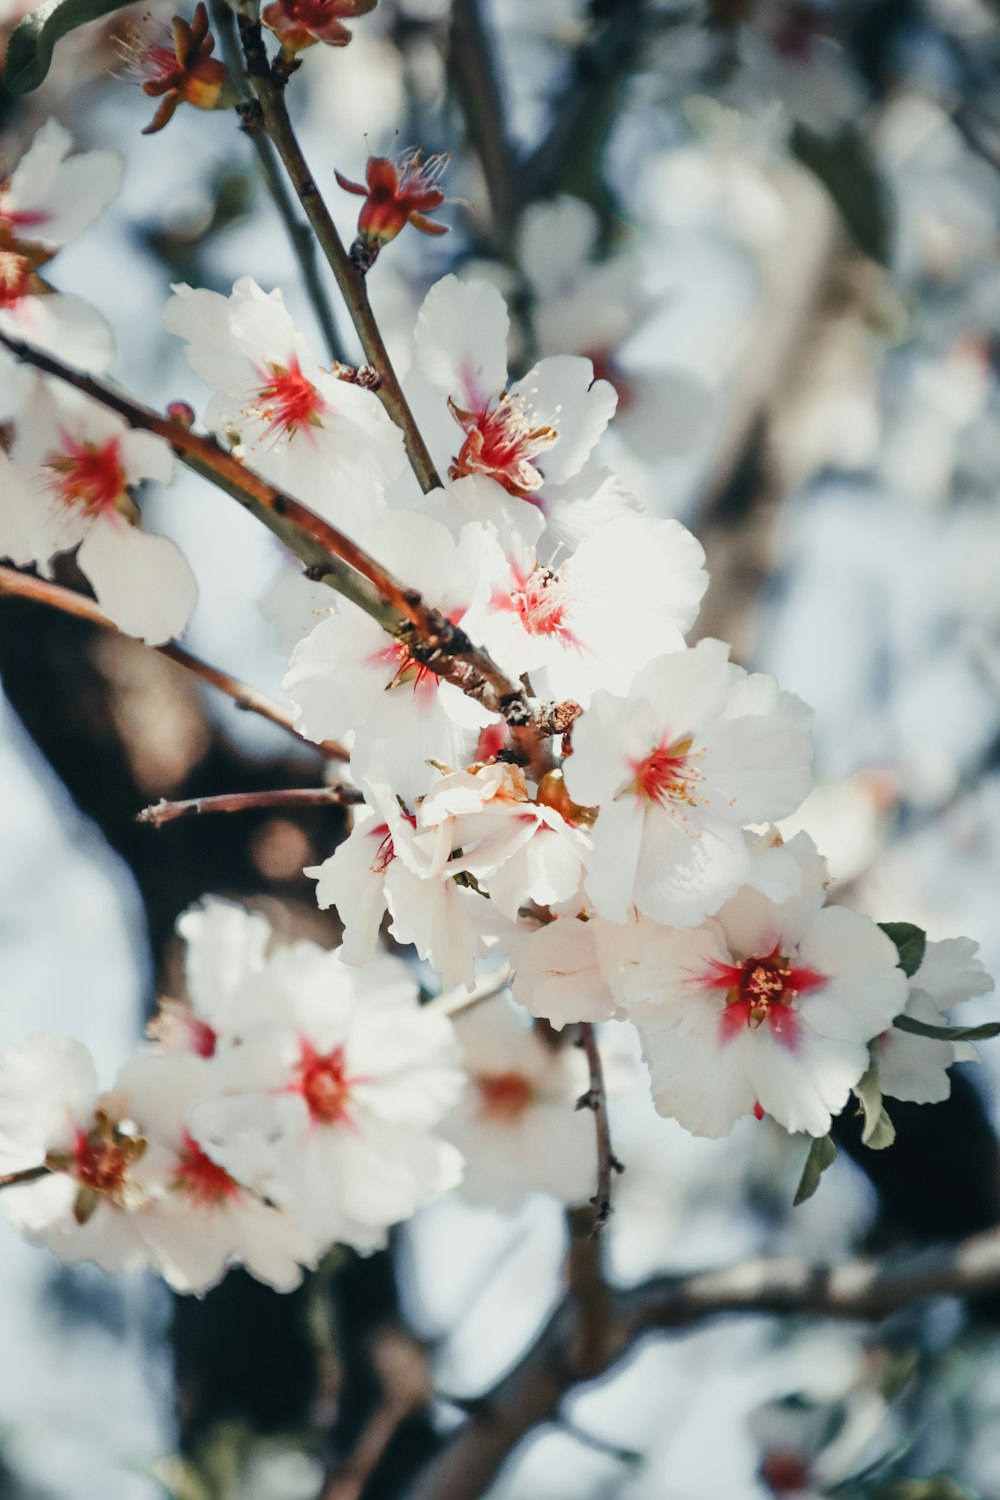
point(558, 972)
point(100, 1164)
point(349, 675)
point(51, 197)
point(696, 750)
point(46, 202)
point(767, 1008)
point(517, 1124)
point(326, 441)
point(913, 1067)
point(533, 437)
point(625, 595)
point(201, 1220)
point(391, 862)
point(328, 1108)
point(78, 462)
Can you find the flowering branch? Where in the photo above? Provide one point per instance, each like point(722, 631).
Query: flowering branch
point(247, 698)
point(785, 1285)
point(269, 91)
point(596, 1099)
point(302, 243)
point(313, 796)
point(330, 556)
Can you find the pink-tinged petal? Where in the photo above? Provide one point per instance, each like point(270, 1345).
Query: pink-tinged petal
point(561, 392)
point(461, 340)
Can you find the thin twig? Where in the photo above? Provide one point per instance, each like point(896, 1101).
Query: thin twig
point(596, 1099)
point(275, 121)
point(472, 61)
point(533, 1392)
point(330, 556)
point(313, 796)
point(26, 1174)
point(453, 1001)
point(401, 1365)
point(24, 586)
point(299, 237)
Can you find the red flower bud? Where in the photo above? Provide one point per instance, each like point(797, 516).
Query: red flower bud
point(302, 23)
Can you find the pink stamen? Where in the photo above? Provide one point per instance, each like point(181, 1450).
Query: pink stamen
point(287, 401)
point(88, 474)
point(667, 774)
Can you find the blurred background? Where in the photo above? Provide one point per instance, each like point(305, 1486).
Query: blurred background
point(775, 227)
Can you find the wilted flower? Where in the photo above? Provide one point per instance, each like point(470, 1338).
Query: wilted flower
point(398, 193)
point(186, 72)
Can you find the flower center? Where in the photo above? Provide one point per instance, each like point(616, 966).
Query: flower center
point(541, 601)
point(88, 474)
point(202, 1179)
point(177, 1028)
point(286, 402)
point(324, 1085)
point(666, 775)
point(500, 441)
point(15, 277)
point(760, 990)
point(99, 1161)
point(504, 1096)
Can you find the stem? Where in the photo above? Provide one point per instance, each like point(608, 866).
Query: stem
point(26, 1174)
point(472, 61)
point(25, 586)
point(301, 241)
point(330, 556)
point(596, 1099)
point(277, 125)
point(322, 796)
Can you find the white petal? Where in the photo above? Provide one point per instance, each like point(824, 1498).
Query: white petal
point(141, 580)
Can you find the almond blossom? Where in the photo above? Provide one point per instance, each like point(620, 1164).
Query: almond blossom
point(767, 1008)
point(535, 436)
point(323, 439)
point(915, 1068)
point(328, 1105)
point(696, 750)
point(396, 193)
point(347, 674)
point(184, 70)
point(75, 465)
point(224, 947)
point(517, 1124)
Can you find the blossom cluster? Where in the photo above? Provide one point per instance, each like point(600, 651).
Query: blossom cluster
point(629, 870)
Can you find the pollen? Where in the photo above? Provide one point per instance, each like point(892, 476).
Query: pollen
point(667, 774)
point(99, 1161)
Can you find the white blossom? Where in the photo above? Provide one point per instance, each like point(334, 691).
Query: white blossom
point(915, 1068)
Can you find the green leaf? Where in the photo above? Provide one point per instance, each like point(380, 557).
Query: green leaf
point(948, 1033)
point(911, 943)
point(29, 51)
point(879, 1130)
point(822, 1154)
point(846, 167)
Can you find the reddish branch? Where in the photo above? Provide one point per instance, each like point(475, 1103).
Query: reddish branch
point(313, 796)
point(25, 586)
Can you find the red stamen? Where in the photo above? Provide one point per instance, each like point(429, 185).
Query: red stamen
point(501, 443)
point(99, 1162)
point(88, 474)
point(666, 775)
point(759, 990)
point(324, 1085)
point(201, 1178)
point(287, 401)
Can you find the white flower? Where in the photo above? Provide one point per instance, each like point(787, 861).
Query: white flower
point(625, 595)
point(916, 1067)
point(225, 945)
point(517, 1124)
point(696, 750)
point(57, 322)
point(74, 465)
point(51, 197)
point(768, 1007)
point(324, 440)
point(348, 674)
point(534, 437)
point(330, 1104)
point(558, 973)
point(201, 1220)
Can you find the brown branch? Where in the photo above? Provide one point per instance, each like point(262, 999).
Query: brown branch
point(533, 1392)
point(401, 1365)
point(23, 585)
point(313, 796)
point(596, 1099)
point(471, 57)
point(25, 1175)
point(330, 556)
point(270, 94)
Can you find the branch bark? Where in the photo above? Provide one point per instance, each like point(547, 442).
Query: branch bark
point(596, 1099)
point(284, 797)
point(533, 1391)
point(472, 63)
point(24, 586)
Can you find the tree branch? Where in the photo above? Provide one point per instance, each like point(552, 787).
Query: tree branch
point(596, 1099)
point(275, 121)
point(25, 586)
point(330, 556)
point(25, 1175)
point(472, 63)
point(299, 237)
point(533, 1391)
point(313, 796)
point(401, 1365)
